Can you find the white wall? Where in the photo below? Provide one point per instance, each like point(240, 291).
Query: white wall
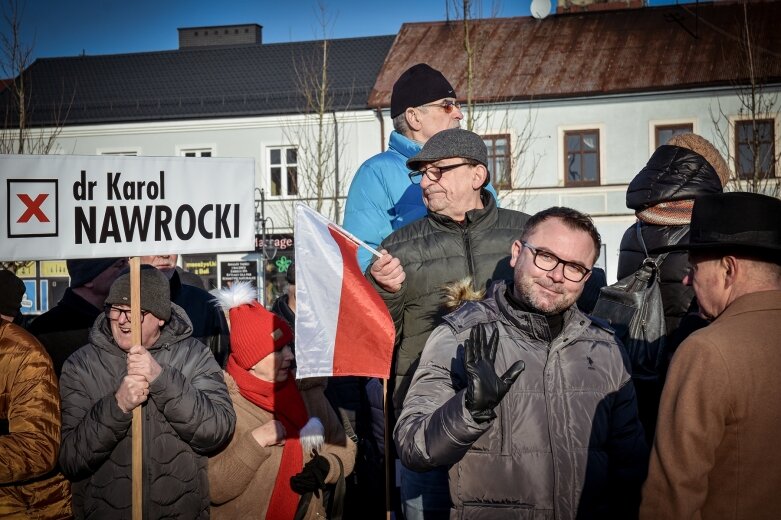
point(626, 126)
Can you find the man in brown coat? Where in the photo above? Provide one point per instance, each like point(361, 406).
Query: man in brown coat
point(715, 454)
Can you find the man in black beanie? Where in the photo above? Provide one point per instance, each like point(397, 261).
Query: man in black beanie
point(64, 328)
point(381, 197)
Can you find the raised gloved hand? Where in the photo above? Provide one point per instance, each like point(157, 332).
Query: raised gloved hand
point(312, 477)
point(485, 389)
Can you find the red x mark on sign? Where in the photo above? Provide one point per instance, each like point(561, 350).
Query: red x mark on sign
point(33, 208)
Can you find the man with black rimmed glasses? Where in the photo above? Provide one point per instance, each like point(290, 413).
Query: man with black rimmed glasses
point(381, 198)
point(464, 236)
point(525, 399)
point(187, 412)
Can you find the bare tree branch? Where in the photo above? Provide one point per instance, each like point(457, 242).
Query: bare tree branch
point(756, 116)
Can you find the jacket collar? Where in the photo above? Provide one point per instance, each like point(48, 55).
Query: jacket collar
point(403, 145)
point(536, 325)
point(474, 219)
point(763, 300)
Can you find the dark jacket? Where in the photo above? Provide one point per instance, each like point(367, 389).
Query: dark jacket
point(672, 173)
point(187, 416)
point(566, 441)
point(435, 251)
point(64, 329)
point(208, 322)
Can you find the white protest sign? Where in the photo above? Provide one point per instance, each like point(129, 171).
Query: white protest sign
point(72, 206)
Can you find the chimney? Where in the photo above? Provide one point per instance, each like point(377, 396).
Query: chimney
point(584, 6)
point(220, 35)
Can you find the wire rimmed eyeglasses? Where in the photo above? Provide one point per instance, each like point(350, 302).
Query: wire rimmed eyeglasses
point(434, 173)
point(114, 313)
point(447, 105)
point(547, 261)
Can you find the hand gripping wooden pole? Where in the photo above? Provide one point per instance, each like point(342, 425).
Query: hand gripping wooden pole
point(137, 433)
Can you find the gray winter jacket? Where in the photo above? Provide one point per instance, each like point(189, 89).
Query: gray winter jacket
point(436, 251)
point(566, 443)
point(188, 415)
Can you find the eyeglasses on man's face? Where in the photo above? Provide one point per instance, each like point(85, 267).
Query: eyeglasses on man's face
point(447, 105)
point(434, 173)
point(114, 313)
point(547, 261)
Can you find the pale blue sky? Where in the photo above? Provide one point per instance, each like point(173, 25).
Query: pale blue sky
point(57, 28)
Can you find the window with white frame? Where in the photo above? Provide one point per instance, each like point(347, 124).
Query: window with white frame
point(664, 133)
point(498, 147)
point(196, 152)
point(755, 148)
point(283, 171)
point(581, 158)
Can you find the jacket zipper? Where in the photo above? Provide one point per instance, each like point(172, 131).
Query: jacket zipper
point(468, 254)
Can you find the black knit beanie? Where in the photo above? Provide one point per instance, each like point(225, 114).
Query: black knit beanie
point(84, 271)
point(418, 85)
point(11, 292)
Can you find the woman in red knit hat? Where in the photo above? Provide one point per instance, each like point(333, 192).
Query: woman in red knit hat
point(288, 443)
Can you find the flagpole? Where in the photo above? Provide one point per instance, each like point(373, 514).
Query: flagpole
point(388, 473)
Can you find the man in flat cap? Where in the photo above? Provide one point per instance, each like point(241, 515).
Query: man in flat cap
point(187, 412)
point(715, 454)
point(64, 328)
point(463, 236)
point(381, 197)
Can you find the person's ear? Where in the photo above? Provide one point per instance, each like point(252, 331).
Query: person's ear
point(479, 175)
point(413, 121)
point(515, 252)
point(731, 266)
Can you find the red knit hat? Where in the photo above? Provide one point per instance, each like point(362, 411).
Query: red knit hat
point(254, 332)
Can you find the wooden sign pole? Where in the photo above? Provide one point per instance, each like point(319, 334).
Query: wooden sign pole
point(137, 434)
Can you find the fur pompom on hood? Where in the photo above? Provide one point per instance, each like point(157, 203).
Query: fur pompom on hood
point(460, 292)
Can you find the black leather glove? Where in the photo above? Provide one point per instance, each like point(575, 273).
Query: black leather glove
point(485, 389)
point(312, 477)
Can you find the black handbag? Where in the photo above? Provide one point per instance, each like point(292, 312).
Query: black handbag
point(633, 306)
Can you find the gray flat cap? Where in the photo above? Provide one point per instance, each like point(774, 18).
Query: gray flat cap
point(454, 142)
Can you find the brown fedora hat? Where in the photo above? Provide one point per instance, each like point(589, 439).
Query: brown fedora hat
point(734, 222)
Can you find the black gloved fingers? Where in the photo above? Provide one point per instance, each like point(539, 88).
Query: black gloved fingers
point(512, 373)
point(493, 344)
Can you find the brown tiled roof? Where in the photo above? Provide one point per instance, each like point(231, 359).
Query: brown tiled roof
point(594, 53)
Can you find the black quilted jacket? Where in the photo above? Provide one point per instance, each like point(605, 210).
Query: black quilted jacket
point(672, 173)
point(188, 415)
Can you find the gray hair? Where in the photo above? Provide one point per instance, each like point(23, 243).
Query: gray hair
point(400, 124)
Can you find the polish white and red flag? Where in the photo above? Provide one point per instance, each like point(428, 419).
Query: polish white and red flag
point(343, 327)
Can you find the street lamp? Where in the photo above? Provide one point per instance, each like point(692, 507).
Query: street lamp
point(261, 222)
